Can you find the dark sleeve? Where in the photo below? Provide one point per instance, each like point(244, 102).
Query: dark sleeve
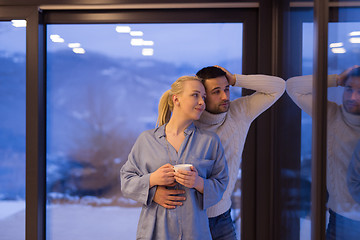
point(353, 174)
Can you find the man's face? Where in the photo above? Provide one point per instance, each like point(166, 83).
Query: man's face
point(217, 95)
point(351, 97)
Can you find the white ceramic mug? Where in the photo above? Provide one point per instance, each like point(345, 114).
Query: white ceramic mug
point(185, 167)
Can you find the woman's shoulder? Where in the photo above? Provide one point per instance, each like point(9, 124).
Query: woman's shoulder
point(147, 134)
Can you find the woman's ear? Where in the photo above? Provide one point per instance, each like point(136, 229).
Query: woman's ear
point(175, 100)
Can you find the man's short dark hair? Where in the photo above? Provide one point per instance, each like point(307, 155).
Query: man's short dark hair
point(353, 73)
point(210, 72)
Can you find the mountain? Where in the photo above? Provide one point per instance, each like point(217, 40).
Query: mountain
point(96, 107)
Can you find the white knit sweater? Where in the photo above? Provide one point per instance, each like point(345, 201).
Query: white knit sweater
point(232, 126)
point(343, 132)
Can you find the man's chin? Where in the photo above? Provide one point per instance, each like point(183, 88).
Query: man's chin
point(223, 109)
point(351, 110)
point(220, 109)
point(215, 112)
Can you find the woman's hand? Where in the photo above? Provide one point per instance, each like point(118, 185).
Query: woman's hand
point(164, 175)
point(190, 179)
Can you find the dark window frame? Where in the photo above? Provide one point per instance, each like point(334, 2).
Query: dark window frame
point(36, 88)
point(35, 118)
point(247, 16)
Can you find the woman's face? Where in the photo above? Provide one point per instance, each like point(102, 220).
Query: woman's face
point(191, 101)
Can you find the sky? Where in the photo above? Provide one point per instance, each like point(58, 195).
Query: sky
point(338, 32)
point(172, 42)
point(12, 38)
point(179, 43)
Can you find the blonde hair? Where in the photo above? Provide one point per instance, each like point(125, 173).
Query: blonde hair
point(166, 104)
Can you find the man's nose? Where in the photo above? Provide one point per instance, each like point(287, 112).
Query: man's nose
point(224, 96)
point(355, 95)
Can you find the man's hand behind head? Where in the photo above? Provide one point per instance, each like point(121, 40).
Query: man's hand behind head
point(230, 77)
point(344, 75)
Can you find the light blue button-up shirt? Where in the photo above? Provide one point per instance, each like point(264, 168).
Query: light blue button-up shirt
point(202, 149)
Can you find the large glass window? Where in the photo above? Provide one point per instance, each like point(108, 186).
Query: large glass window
point(12, 129)
point(306, 135)
point(343, 49)
point(343, 126)
point(104, 82)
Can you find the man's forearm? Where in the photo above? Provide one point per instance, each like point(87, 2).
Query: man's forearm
point(261, 83)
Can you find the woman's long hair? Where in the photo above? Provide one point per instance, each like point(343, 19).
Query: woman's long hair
point(166, 104)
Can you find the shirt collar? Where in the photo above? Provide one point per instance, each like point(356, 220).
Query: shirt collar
point(160, 131)
point(189, 129)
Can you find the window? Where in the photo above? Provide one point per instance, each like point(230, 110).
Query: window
point(342, 54)
point(104, 82)
point(12, 129)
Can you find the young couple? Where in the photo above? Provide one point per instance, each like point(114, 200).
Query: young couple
point(197, 124)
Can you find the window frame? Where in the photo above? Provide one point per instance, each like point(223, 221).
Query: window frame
point(35, 117)
point(247, 16)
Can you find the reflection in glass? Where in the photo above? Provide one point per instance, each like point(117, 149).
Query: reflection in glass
point(12, 130)
point(343, 129)
point(103, 86)
point(343, 125)
point(306, 136)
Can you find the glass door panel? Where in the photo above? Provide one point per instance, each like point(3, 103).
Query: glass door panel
point(343, 53)
point(343, 125)
point(306, 135)
point(104, 82)
point(12, 129)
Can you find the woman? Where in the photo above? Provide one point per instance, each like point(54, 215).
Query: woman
point(150, 164)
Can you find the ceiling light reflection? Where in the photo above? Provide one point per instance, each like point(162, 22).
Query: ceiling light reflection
point(338, 50)
point(123, 29)
point(354, 33)
point(136, 33)
point(18, 23)
point(147, 51)
point(354, 40)
point(74, 45)
point(79, 50)
point(56, 38)
point(148, 43)
point(334, 45)
point(141, 42)
point(136, 42)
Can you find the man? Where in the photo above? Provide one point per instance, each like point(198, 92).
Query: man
point(353, 174)
point(231, 120)
point(343, 124)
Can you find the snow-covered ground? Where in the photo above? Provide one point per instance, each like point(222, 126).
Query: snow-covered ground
point(12, 220)
point(72, 221)
point(83, 222)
